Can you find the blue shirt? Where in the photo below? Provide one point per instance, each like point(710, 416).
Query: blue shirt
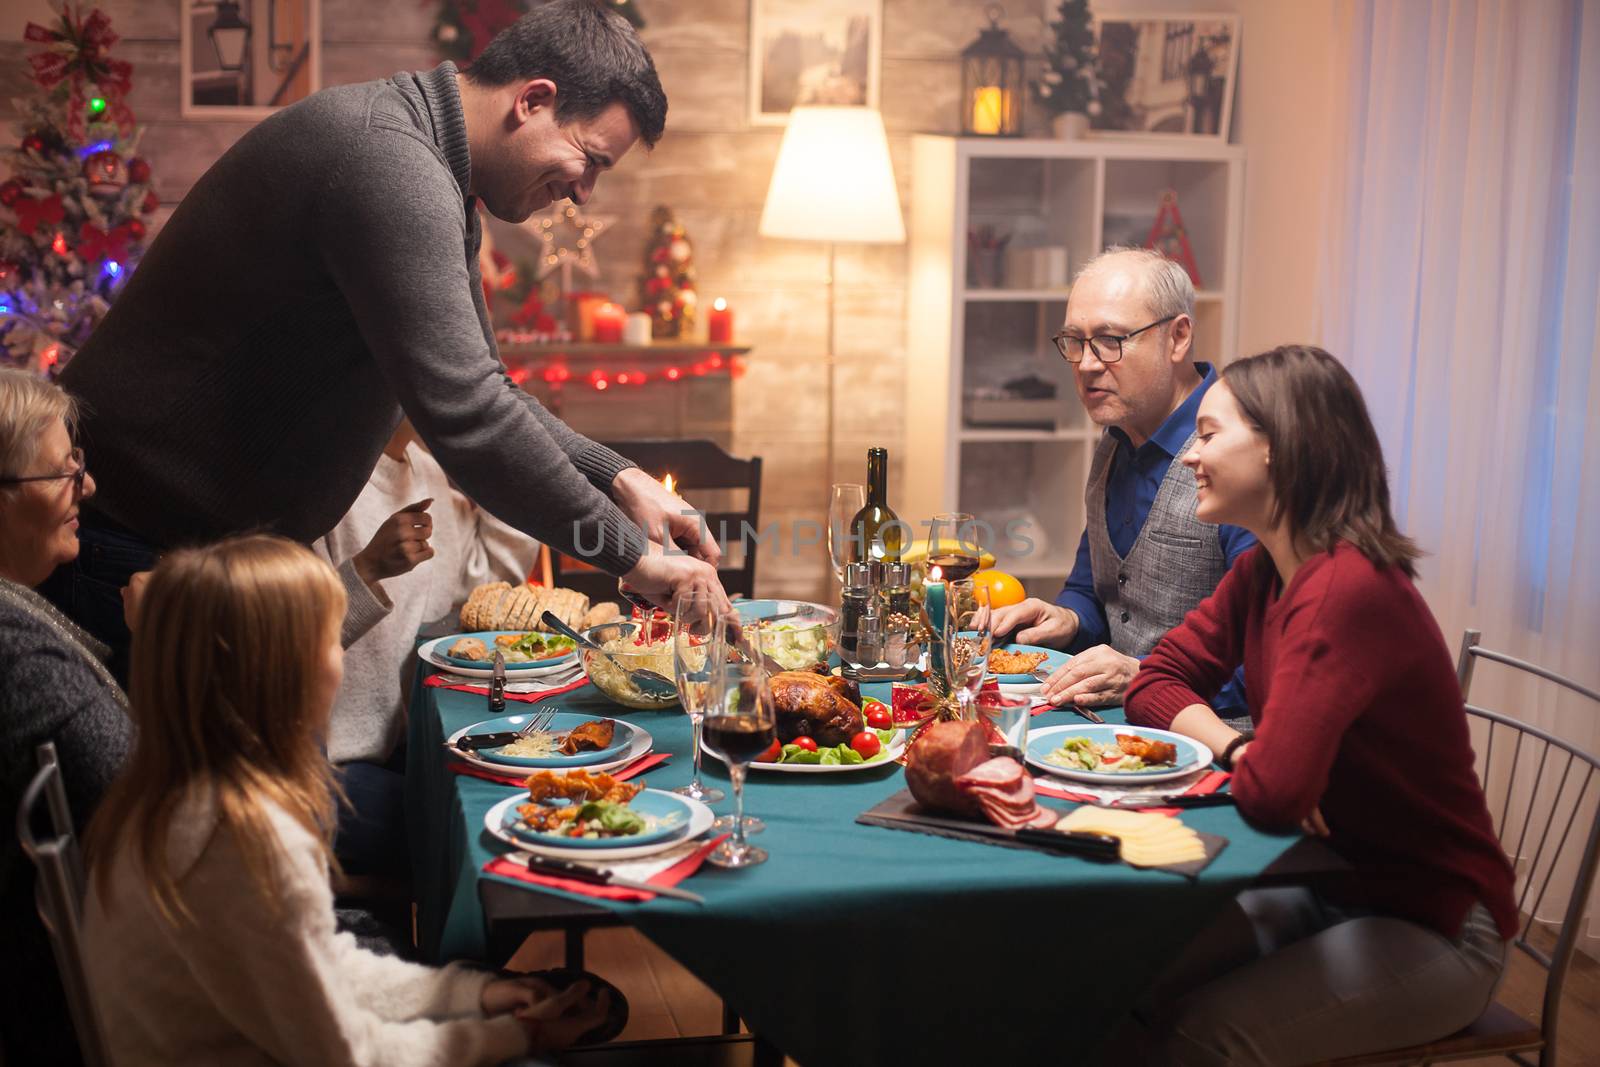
point(1131, 487)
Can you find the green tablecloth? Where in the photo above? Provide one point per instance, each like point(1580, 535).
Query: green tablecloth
point(858, 944)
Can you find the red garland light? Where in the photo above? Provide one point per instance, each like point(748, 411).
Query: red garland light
point(716, 359)
point(519, 375)
point(674, 373)
point(622, 379)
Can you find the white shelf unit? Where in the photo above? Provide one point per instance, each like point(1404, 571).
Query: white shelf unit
point(982, 324)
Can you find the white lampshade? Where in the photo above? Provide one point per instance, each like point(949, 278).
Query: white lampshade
point(833, 180)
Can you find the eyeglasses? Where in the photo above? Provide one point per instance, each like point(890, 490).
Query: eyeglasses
point(77, 474)
point(1107, 347)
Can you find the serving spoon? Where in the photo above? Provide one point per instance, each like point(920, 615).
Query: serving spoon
point(647, 682)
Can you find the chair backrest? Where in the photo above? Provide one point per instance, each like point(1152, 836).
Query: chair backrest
point(1547, 822)
point(701, 466)
point(59, 892)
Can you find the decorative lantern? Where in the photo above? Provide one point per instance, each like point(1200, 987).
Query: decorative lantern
point(230, 36)
point(991, 82)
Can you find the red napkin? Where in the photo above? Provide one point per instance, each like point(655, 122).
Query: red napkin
point(438, 681)
point(506, 868)
point(1209, 783)
point(472, 770)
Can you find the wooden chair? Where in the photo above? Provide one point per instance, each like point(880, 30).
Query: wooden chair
point(59, 894)
point(697, 467)
point(1499, 1031)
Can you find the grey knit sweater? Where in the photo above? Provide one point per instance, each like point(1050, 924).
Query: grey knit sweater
point(318, 279)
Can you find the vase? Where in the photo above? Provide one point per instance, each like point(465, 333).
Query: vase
point(1070, 125)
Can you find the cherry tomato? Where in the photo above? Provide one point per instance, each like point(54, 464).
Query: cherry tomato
point(805, 742)
point(879, 717)
point(866, 743)
point(770, 755)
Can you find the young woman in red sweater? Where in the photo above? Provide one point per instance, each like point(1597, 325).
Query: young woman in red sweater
point(1360, 739)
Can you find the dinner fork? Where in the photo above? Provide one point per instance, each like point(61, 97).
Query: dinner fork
point(542, 717)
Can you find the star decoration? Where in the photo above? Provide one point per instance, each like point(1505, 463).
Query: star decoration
point(566, 242)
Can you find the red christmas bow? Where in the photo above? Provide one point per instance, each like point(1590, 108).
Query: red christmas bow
point(95, 243)
point(79, 54)
point(33, 213)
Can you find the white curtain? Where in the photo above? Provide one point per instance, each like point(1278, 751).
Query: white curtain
point(1461, 284)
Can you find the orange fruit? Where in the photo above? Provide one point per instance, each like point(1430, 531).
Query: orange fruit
point(1004, 590)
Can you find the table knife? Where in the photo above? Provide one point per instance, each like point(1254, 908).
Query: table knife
point(1185, 800)
point(579, 872)
point(497, 685)
point(1078, 843)
point(473, 742)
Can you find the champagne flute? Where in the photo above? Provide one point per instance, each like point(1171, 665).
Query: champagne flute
point(699, 639)
point(847, 499)
point(740, 725)
point(971, 625)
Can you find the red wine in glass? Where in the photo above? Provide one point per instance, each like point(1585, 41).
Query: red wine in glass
point(738, 738)
point(954, 566)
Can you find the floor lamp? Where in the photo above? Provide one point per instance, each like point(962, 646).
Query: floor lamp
point(833, 182)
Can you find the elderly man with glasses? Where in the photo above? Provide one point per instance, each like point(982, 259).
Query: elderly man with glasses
point(1144, 559)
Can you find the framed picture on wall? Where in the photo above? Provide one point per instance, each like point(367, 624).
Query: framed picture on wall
point(1167, 75)
point(813, 52)
point(244, 59)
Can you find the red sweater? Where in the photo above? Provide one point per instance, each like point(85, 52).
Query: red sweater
point(1357, 712)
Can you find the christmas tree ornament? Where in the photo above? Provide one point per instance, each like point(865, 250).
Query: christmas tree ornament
point(566, 243)
point(151, 202)
point(667, 286)
point(69, 226)
point(106, 174)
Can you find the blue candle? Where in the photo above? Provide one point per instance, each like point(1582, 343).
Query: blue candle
point(938, 625)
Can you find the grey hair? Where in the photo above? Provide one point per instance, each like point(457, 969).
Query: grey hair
point(28, 405)
point(1168, 287)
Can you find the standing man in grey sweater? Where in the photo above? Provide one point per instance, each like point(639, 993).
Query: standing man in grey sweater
point(322, 278)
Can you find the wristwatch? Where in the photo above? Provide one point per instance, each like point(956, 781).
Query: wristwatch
point(1226, 759)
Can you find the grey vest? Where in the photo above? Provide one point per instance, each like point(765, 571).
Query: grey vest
point(1175, 562)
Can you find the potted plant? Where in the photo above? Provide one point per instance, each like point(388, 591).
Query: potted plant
point(1070, 87)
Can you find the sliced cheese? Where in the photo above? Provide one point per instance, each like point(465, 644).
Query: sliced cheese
point(1148, 840)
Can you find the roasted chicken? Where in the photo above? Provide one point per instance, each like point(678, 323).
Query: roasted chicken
point(1148, 750)
point(589, 737)
point(814, 706)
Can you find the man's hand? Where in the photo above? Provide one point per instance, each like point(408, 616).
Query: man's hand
point(399, 545)
point(132, 595)
point(1093, 678)
point(1037, 623)
point(665, 517)
point(665, 579)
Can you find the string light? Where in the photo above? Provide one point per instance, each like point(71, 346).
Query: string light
point(59, 245)
point(96, 105)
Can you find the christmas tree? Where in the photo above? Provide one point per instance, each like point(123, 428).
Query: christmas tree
point(70, 226)
point(666, 290)
point(463, 28)
point(1070, 82)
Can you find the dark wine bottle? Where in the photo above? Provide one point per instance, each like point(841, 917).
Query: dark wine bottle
point(877, 532)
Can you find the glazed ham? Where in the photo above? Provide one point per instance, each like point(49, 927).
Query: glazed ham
point(948, 768)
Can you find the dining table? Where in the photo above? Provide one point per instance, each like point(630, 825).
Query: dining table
point(852, 944)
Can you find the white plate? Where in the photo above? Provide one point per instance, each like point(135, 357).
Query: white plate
point(641, 744)
point(1200, 755)
point(896, 747)
point(700, 820)
point(428, 654)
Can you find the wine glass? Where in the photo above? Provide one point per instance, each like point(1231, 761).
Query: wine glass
point(740, 725)
point(973, 637)
point(847, 498)
point(954, 545)
point(699, 639)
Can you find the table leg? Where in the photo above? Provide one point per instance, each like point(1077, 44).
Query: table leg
point(574, 938)
point(730, 1018)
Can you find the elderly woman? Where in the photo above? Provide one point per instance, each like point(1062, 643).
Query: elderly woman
point(54, 686)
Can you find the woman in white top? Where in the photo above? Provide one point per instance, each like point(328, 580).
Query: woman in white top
point(209, 924)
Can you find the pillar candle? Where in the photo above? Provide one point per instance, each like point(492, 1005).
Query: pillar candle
point(608, 320)
point(988, 109)
point(933, 605)
point(719, 323)
point(636, 329)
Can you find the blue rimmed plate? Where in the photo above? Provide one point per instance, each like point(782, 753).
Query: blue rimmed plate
point(494, 822)
point(1191, 753)
point(1054, 659)
point(621, 741)
point(666, 815)
point(441, 650)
